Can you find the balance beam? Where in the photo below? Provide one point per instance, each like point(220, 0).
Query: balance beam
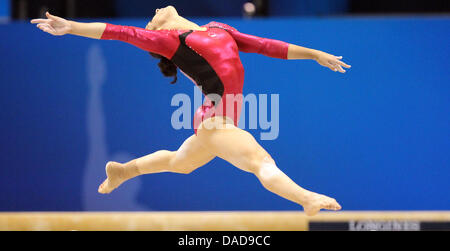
point(204, 221)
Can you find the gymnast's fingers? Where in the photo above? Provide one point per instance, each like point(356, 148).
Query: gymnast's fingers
point(344, 64)
point(39, 20)
point(331, 66)
point(50, 16)
point(340, 69)
point(337, 66)
point(46, 28)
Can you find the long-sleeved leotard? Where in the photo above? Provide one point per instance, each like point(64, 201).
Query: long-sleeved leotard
point(209, 58)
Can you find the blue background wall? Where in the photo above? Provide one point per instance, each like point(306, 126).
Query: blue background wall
point(4, 9)
point(375, 138)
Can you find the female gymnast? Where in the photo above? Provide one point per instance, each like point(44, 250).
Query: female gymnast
point(209, 56)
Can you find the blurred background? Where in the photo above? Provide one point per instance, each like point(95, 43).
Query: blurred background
point(23, 9)
point(375, 138)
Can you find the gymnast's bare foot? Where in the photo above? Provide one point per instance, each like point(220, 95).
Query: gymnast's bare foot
point(116, 174)
point(316, 201)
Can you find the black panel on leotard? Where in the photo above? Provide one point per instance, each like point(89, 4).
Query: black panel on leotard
point(196, 67)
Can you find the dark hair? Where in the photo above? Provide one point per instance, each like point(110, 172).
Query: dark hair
point(167, 67)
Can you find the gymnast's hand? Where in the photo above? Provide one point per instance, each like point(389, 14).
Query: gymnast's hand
point(330, 61)
point(54, 25)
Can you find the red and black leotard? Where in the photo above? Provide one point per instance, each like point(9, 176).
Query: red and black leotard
point(209, 58)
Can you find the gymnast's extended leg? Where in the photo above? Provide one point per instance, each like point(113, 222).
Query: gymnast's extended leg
point(240, 149)
point(190, 156)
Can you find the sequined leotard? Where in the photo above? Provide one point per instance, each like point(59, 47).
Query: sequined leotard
point(209, 58)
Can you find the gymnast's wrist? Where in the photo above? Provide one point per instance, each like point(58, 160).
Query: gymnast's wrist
point(71, 27)
point(314, 54)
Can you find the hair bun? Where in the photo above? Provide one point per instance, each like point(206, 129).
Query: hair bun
point(167, 67)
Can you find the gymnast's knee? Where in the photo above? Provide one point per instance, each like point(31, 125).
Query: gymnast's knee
point(264, 167)
point(177, 166)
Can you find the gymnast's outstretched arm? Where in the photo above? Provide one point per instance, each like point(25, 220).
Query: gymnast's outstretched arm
point(162, 42)
point(58, 26)
point(279, 49)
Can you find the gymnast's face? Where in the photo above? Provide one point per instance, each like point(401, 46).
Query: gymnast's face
point(162, 18)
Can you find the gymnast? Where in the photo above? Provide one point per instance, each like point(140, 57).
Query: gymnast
point(209, 56)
